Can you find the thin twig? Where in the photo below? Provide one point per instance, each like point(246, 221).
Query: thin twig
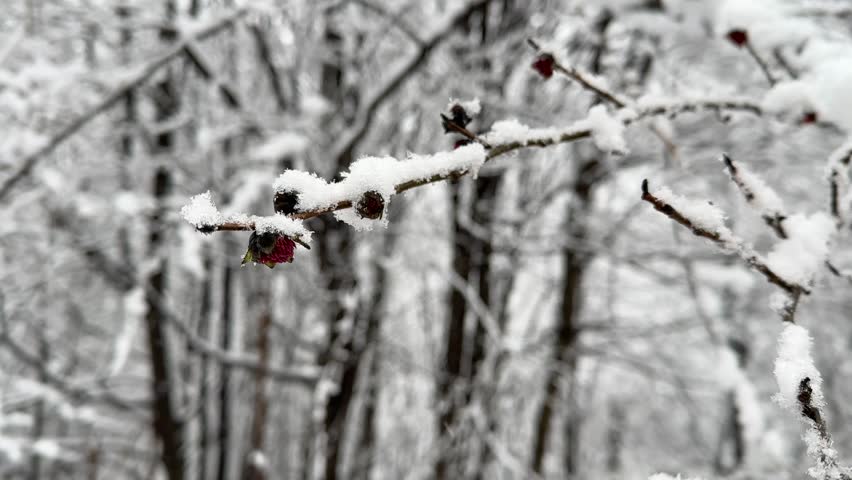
point(750, 258)
point(761, 63)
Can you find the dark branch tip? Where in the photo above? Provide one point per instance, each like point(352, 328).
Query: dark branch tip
point(645, 187)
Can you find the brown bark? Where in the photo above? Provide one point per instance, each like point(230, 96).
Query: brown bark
point(224, 431)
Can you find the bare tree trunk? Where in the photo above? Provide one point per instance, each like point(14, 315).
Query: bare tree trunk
point(38, 414)
point(204, 324)
point(251, 470)
point(224, 432)
point(372, 341)
point(448, 397)
point(168, 428)
point(615, 436)
point(564, 363)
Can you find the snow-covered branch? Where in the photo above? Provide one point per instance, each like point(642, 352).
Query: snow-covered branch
point(758, 195)
point(388, 176)
point(707, 221)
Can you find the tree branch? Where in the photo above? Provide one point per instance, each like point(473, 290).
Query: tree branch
point(751, 258)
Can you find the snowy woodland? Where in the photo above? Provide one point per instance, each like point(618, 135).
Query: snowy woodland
point(435, 239)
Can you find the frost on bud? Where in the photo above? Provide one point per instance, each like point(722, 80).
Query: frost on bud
point(269, 249)
point(371, 205)
point(543, 64)
point(285, 202)
point(738, 37)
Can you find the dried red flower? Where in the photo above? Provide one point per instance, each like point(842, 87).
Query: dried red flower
point(544, 65)
point(269, 249)
point(738, 37)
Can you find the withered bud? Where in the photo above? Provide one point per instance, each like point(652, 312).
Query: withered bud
point(371, 205)
point(285, 202)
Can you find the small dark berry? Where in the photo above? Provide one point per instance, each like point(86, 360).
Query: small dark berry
point(460, 116)
point(371, 205)
point(285, 202)
point(808, 117)
point(738, 37)
point(544, 65)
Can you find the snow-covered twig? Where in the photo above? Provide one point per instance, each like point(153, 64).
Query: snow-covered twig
point(425, 169)
point(758, 195)
point(838, 180)
point(719, 234)
point(800, 391)
point(585, 79)
point(766, 201)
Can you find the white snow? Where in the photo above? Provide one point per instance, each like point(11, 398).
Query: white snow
point(794, 364)
point(201, 211)
point(769, 23)
point(380, 174)
point(799, 257)
point(822, 87)
point(792, 98)
point(749, 412)
point(764, 199)
point(280, 145)
point(281, 225)
point(135, 309)
point(49, 448)
point(607, 131)
point(666, 476)
point(829, 86)
point(701, 213)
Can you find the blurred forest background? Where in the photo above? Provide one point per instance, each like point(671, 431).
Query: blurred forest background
point(132, 346)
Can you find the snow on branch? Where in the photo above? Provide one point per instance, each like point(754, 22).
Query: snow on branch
point(203, 214)
point(302, 195)
point(799, 256)
point(707, 221)
point(800, 392)
point(758, 194)
point(838, 179)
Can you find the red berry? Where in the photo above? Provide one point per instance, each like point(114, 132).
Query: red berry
point(371, 205)
point(544, 65)
point(738, 37)
point(808, 117)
